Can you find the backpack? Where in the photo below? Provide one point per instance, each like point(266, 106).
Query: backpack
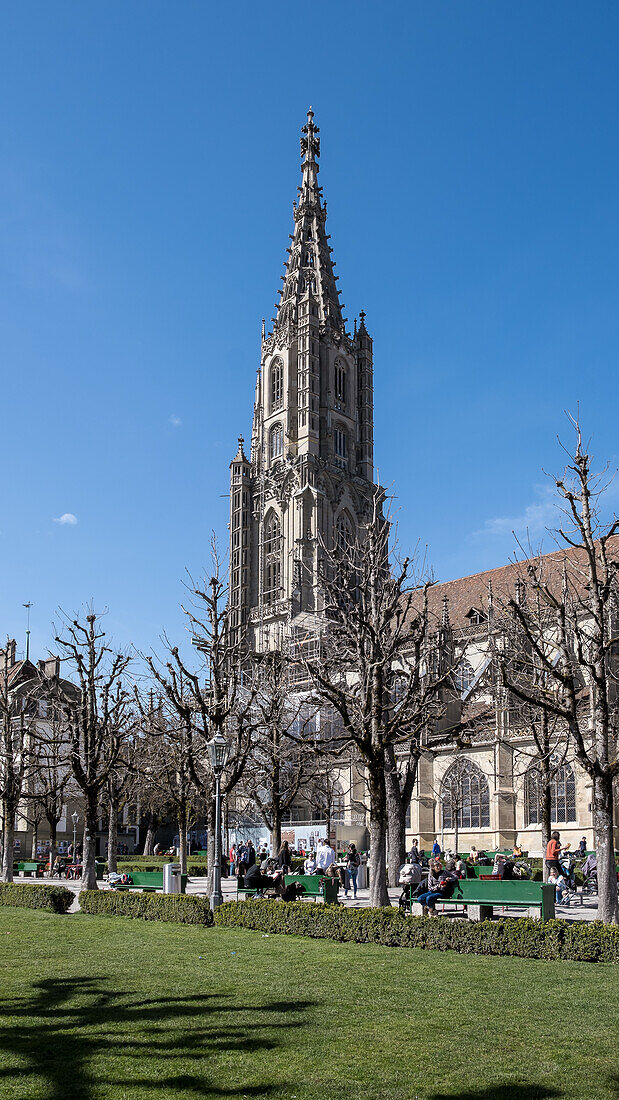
point(126, 880)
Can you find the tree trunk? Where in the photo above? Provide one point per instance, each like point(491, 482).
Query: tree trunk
point(8, 815)
point(276, 832)
point(53, 827)
point(396, 819)
point(112, 835)
point(151, 833)
point(378, 834)
point(35, 840)
point(89, 871)
point(182, 837)
point(604, 849)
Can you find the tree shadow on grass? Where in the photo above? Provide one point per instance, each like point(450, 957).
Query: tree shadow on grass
point(60, 1029)
point(504, 1091)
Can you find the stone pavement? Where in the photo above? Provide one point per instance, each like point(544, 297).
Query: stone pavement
point(586, 911)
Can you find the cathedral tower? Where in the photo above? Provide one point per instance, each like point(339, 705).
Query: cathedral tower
point(309, 478)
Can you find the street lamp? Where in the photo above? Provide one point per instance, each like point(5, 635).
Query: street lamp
point(74, 819)
point(219, 751)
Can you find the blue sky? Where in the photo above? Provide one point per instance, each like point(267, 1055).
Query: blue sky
point(148, 163)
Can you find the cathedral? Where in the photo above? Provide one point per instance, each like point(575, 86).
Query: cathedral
point(309, 481)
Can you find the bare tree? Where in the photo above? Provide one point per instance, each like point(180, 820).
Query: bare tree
point(580, 676)
point(212, 694)
point(282, 746)
point(98, 724)
point(538, 735)
point(371, 668)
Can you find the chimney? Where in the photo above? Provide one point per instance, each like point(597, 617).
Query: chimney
point(51, 667)
point(7, 656)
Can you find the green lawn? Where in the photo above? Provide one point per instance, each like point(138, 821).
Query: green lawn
point(110, 1007)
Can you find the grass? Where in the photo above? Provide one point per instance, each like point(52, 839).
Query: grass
point(102, 1007)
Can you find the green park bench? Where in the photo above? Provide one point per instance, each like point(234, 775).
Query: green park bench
point(316, 886)
point(30, 868)
point(148, 881)
point(481, 896)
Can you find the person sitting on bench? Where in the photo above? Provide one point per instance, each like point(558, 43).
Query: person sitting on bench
point(252, 877)
point(441, 884)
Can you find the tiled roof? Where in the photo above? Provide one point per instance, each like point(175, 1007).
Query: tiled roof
point(467, 592)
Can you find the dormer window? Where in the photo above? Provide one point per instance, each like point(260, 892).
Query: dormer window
point(476, 617)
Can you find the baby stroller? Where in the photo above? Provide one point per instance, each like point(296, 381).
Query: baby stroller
point(413, 882)
point(589, 876)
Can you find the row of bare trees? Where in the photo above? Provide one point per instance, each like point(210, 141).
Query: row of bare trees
point(385, 672)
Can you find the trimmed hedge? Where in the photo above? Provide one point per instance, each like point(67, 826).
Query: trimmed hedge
point(176, 908)
point(56, 899)
point(522, 937)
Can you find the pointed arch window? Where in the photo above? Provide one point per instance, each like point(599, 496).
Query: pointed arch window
point(464, 675)
point(344, 538)
point(340, 442)
point(562, 794)
point(272, 558)
point(340, 382)
point(309, 258)
point(277, 385)
point(276, 442)
point(465, 797)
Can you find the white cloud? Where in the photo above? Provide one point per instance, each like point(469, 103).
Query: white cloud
point(533, 521)
point(67, 518)
point(175, 421)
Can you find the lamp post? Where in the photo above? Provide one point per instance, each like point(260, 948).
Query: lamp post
point(74, 819)
point(219, 751)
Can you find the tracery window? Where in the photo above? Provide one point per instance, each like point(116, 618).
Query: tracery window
point(464, 674)
point(339, 436)
point(277, 385)
point(276, 441)
point(343, 533)
point(562, 795)
point(340, 382)
point(465, 795)
point(272, 558)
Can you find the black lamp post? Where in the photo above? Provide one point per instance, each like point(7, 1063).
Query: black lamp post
point(219, 751)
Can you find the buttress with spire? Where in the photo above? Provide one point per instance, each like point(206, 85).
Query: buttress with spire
point(309, 478)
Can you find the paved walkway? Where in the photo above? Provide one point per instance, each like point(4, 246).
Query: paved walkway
point(586, 911)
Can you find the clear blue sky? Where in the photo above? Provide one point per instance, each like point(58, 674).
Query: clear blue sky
point(148, 162)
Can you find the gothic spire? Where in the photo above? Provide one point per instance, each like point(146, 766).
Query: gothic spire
point(309, 277)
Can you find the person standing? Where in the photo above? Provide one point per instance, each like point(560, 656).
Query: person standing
point(284, 858)
point(325, 856)
point(414, 853)
point(553, 848)
point(436, 849)
point(582, 847)
point(353, 860)
point(250, 855)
